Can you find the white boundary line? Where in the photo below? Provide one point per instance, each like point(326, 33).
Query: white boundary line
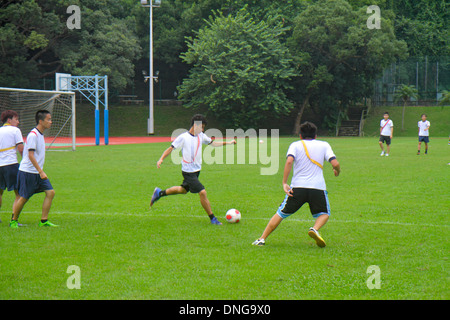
point(150, 215)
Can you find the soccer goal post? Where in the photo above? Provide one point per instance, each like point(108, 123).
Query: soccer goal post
point(61, 104)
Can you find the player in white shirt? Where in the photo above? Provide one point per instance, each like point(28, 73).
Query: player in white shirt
point(307, 157)
point(190, 143)
point(11, 142)
point(386, 133)
point(31, 178)
point(424, 133)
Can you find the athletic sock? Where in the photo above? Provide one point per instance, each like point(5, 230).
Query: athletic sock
point(43, 220)
point(162, 193)
point(211, 216)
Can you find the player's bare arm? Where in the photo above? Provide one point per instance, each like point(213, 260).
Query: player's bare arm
point(42, 174)
point(336, 167)
point(287, 170)
point(163, 156)
point(222, 143)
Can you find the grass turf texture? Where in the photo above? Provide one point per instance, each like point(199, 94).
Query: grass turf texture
point(390, 212)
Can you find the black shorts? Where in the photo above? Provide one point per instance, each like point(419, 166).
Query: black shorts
point(191, 182)
point(317, 200)
point(31, 183)
point(386, 139)
point(8, 177)
point(425, 139)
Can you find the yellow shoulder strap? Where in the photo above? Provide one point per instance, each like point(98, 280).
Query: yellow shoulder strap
point(307, 154)
point(6, 149)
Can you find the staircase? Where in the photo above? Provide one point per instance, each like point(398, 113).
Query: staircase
point(351, 126)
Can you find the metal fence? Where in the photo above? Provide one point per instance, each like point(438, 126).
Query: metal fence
point(429, 75)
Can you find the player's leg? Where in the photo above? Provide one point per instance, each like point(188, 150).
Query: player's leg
point(271, 226)
point(46, 205)
point(207, 207)
point(1, 196)
point(288, 207)
point(380, 142)
point(320, 210)
point(17, 209)
point(419, 146)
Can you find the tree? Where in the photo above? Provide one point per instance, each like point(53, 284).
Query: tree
point(338, 55)
point(240, 69)
point(35, 41)
point(405, 93)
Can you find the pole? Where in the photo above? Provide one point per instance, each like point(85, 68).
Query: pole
point(97, 114)
point(106, 112)
point(150, 118)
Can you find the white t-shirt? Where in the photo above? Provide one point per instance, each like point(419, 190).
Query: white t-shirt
point(10, 137)
point(191, 150)
point(422, 126)
point(306, 173)
point(386, 125)
point(35, 141)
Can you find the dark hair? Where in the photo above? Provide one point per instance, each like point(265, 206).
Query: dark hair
point(8, 114)
point(386, 113)
point(40, 115)
point(198, 117)
point(308, 130)
point(423, 114)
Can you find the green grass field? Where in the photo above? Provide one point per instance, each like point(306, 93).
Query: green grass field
point(389, 212)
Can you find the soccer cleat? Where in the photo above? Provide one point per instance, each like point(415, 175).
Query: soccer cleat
point(14, 224)
point(155, 196)
point(313, 233)
point(387, 154)
point(382, 153)
point(259, 242)
point(215, 221)
point(47, 224)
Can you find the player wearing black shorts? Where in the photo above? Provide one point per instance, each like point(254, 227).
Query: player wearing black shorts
point(190, 144)
point(306, 157)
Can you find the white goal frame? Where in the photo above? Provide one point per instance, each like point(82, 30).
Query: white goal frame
point(72, 117)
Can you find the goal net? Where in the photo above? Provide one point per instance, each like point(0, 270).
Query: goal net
point(61, 105)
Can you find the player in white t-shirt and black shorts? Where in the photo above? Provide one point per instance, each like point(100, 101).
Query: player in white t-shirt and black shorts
point(11, 142)
point(190, 144)
point(306, 157)
point(424, 133)
point(386, 133)
point(31, 178)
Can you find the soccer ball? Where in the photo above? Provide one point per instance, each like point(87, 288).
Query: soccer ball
point(233, 216)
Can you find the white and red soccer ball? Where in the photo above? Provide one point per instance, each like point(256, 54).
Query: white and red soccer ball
point(233, 216)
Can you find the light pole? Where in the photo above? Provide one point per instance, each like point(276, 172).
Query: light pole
point(145, 3)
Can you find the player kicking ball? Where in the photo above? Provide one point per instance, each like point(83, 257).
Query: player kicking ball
point(190, 143)
point(31, 178)
point(306, 156)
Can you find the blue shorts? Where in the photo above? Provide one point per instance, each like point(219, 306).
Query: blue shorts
point(31, 183)
point(8, 177)
point(425, 139)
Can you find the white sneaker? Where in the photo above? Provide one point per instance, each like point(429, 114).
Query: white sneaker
point(259, 242)
point(382, 153)
point(387, 154)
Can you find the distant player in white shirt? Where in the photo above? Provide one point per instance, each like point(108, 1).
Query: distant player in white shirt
point(424, 133)
point(11, 142)
point(386, 133)
point(31, 178)
point(190, 143)
point(307, 157)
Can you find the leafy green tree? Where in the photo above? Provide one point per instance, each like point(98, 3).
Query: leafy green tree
point(405, 93)
point(35, 41)
point(338, 55)
point(240, 69)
